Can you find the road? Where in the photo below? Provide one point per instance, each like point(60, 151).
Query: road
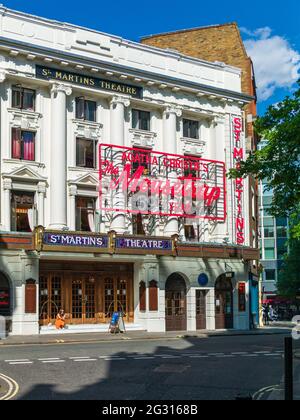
point(218, 368)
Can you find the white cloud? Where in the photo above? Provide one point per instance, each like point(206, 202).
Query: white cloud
point(276, 63)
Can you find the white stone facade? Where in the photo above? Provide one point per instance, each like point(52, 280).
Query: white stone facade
point(174, 87)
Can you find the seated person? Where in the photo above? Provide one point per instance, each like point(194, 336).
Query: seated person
point(60, 320)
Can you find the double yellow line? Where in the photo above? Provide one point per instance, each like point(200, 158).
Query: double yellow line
point(13, 387)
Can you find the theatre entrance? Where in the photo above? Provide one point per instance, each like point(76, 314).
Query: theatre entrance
point(89, 293)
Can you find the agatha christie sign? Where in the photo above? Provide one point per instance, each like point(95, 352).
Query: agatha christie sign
point(88, 81)
point(144, 244)
point(238, 155)
point(73, 240)
point(153, 183)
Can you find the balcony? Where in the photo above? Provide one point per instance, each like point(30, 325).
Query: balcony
point(193, 147)
point(88, 129)
point(142, 138)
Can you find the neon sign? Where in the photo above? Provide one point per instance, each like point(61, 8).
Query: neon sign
point(238, 155)
point(146, 182)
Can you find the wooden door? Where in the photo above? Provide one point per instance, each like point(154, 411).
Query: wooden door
point(176, 317)
point(201, 309)
point(223, 304)
point(83, 299)
point(50, 297)
point(118, 297)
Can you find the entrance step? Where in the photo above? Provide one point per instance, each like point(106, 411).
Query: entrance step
point(85, 328)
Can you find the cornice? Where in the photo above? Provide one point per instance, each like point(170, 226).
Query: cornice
point(73, 59)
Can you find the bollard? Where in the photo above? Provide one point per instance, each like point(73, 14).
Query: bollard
point(288, 371)
point(2, 328)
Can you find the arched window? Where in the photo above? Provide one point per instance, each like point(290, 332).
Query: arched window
point(142, 296)
point(153, 296)
point(4, 296)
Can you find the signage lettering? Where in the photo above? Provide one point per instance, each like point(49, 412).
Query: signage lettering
point(74, 240)
point(238, 155)
point(148, 244)
point(154, 183)
point(92, 82)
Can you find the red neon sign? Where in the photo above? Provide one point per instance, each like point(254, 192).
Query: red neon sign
point(154, 183)
point(238, 155)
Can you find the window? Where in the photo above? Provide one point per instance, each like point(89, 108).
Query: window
point(267, 200)
point(281, 248)
point(281, 231)
point(269, 243)
point(23, 98)
point(85, 110)
point(268, 221)
point(141, 158)
point(85, 214)
point(140, 120)
point(189, 232)
point(281, 221)
point(86, 152)
point(23, 144)
point(270, 275)
point(191, 129)
point(22, 208)
point(269, 232)
point(137, 224)
point(269, 253)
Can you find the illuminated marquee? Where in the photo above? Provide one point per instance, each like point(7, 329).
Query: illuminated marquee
point(145, 182)
point(238, 155)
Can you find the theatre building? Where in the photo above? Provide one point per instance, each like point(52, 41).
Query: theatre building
point(113, 189)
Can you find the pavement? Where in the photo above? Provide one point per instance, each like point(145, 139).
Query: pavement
point(272, 329)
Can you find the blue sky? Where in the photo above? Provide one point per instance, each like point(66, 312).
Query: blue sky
point(270, 31)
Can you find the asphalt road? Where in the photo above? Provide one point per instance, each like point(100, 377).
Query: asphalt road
point(218, 368)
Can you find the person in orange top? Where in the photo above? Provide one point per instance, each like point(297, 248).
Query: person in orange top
point(60, 320)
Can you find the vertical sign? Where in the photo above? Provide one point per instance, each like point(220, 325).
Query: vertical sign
point(238, 156)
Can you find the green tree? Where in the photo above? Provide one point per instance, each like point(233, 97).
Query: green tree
point(289, 275)
point(279, 161)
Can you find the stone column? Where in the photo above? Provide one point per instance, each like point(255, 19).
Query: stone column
point(170, 146)
point(218, 231)
point(2, 96)
point(7, 186)
point(117, 137)
point(73, 194)
point(41, 203)
point(58, 177)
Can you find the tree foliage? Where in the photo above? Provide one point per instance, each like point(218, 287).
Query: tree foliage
point(279, 161)
point(289, 275)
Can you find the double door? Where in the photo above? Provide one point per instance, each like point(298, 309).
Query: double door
point(83, 299)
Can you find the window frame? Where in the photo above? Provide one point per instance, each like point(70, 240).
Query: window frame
point(139, 120)
point(14, 207)
point(22, 90)
point(91, 199)
point(95, 161)
point(20, 138)
point(189, 134)
point(83, 116)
